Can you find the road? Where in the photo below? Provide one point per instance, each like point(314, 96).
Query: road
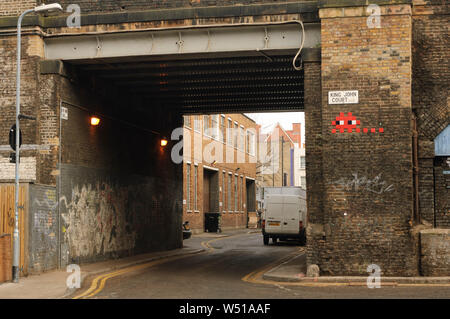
point(218, 273)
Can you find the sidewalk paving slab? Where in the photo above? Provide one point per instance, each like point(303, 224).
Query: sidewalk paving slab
point(52, 284)
point(294, 270)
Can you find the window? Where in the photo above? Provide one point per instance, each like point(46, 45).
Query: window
point(215, 126)
point(197, 123)
point(230, 132)
point(242, 194)
point(222, 128)
point(206, 125)
point(247, 142)
point(241, 138)
point(235, 135)
point(303, 181)
point(285, 177)
point(302, 162)
point(188, 187)
point(229, 192)
point(223, 192)
point(195, 188)
point(187, 121)
point(250, 147)
point(235, 193)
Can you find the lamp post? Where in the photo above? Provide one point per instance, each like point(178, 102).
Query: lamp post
point(16, 238)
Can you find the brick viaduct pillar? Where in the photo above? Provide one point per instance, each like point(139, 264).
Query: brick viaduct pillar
point(360, 183)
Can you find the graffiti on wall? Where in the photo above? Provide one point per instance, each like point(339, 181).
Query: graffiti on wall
point(43, 243)
point(99, 220)
point(363, 184)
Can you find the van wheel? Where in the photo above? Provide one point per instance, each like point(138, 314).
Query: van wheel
point(266, 239)
point(274, 240)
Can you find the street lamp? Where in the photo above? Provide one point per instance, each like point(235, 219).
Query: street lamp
point(16, 253)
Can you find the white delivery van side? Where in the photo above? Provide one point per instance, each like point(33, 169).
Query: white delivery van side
point(284, 215)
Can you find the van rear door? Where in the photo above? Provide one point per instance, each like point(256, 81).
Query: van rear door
point(291, 214)
point(273, 213)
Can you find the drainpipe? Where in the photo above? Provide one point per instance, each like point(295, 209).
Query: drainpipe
point(416, 214)
point(292, 167)
point(59, 187)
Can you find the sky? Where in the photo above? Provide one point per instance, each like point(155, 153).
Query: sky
point(268, 120)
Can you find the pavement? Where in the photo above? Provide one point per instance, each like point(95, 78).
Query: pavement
point(52, 284)
point(294, 270)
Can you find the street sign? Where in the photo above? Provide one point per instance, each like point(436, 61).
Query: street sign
point(64, 113)
point(12, 137)
point(343, 97)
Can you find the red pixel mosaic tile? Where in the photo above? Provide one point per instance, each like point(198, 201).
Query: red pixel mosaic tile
point(348, 123)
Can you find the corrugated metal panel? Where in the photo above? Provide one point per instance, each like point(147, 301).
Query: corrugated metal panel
point(442, 143)
point(220, 85)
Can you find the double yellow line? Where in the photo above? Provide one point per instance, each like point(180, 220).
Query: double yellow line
point(99, 282)
point(255, 276)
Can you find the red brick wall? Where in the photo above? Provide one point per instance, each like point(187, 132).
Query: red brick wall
point(233, 218)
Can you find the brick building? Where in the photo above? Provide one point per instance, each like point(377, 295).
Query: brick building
point(372, 182)
point(285, 163)
point(299, 156)
point(219, 169)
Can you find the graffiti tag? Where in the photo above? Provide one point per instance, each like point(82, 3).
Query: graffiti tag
point(363, 184)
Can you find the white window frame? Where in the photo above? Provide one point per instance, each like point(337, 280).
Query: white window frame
point(241, 141)
point(197, 124)
point(230, 177)
point(188, 187)
point(205, 125)
point(215, 130)
point(195, 188)
point(230, 131)
point(222, 128)
point(236, 193)
point(224, 176)
point(190, 121)
point(302, 162)
point(236, 135)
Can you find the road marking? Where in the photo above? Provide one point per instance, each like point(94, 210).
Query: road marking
point(96, 288)
point(255, 277)
point(93, 289)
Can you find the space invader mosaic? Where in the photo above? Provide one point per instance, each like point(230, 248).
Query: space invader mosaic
point(349, 123)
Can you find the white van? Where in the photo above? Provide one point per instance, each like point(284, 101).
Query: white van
point(284, 214)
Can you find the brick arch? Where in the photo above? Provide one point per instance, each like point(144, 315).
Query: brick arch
point(430, 92)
